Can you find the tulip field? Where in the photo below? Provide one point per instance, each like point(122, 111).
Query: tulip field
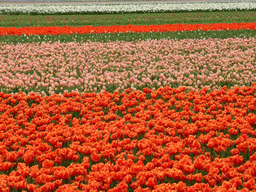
point(128, 96)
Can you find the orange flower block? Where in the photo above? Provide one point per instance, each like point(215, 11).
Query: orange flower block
point(123, 29)
point(166, 135)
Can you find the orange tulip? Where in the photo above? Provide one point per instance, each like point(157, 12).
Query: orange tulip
point(21, 185)
point(5, 166)
point(47, 164)
point(29, 157)
point(249, 184)
point(151, 182)
point(12, 157)
point(95, 157)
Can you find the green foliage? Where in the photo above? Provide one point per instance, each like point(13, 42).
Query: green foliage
point(246, 155)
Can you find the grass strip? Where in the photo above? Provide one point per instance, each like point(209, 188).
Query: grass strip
point(125, 19)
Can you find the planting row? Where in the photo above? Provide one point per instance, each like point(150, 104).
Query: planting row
point(39, 9)
point(128, 37)
point(124, 29)
point(114, 66)
point(125, 19)
point(156, 140)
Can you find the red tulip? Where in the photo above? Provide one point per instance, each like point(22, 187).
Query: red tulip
point(12, 156)
point(5, 166)
point(188, 169)
point(238, 160)
point(128, 178)
point(249, 184)
point(47, 164)
point(199, 162)
point(135, 185)
point(20, 185)
point(48, 187)
point(95, 157)
point(151, 182)
point(181, 187)
point(198, 177)
point(29, 157)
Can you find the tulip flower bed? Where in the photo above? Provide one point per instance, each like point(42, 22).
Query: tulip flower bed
point(134, 141)
point(114, 66)
point(87, 104)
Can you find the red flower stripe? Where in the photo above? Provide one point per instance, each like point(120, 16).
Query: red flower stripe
point(125, 29)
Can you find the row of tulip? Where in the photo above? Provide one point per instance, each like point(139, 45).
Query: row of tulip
point(52, 68)
point(124, 29)
point(78, 8)
point(127, 37)
point(142, 141)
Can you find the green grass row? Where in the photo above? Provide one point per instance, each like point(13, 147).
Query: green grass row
point(125, 19)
